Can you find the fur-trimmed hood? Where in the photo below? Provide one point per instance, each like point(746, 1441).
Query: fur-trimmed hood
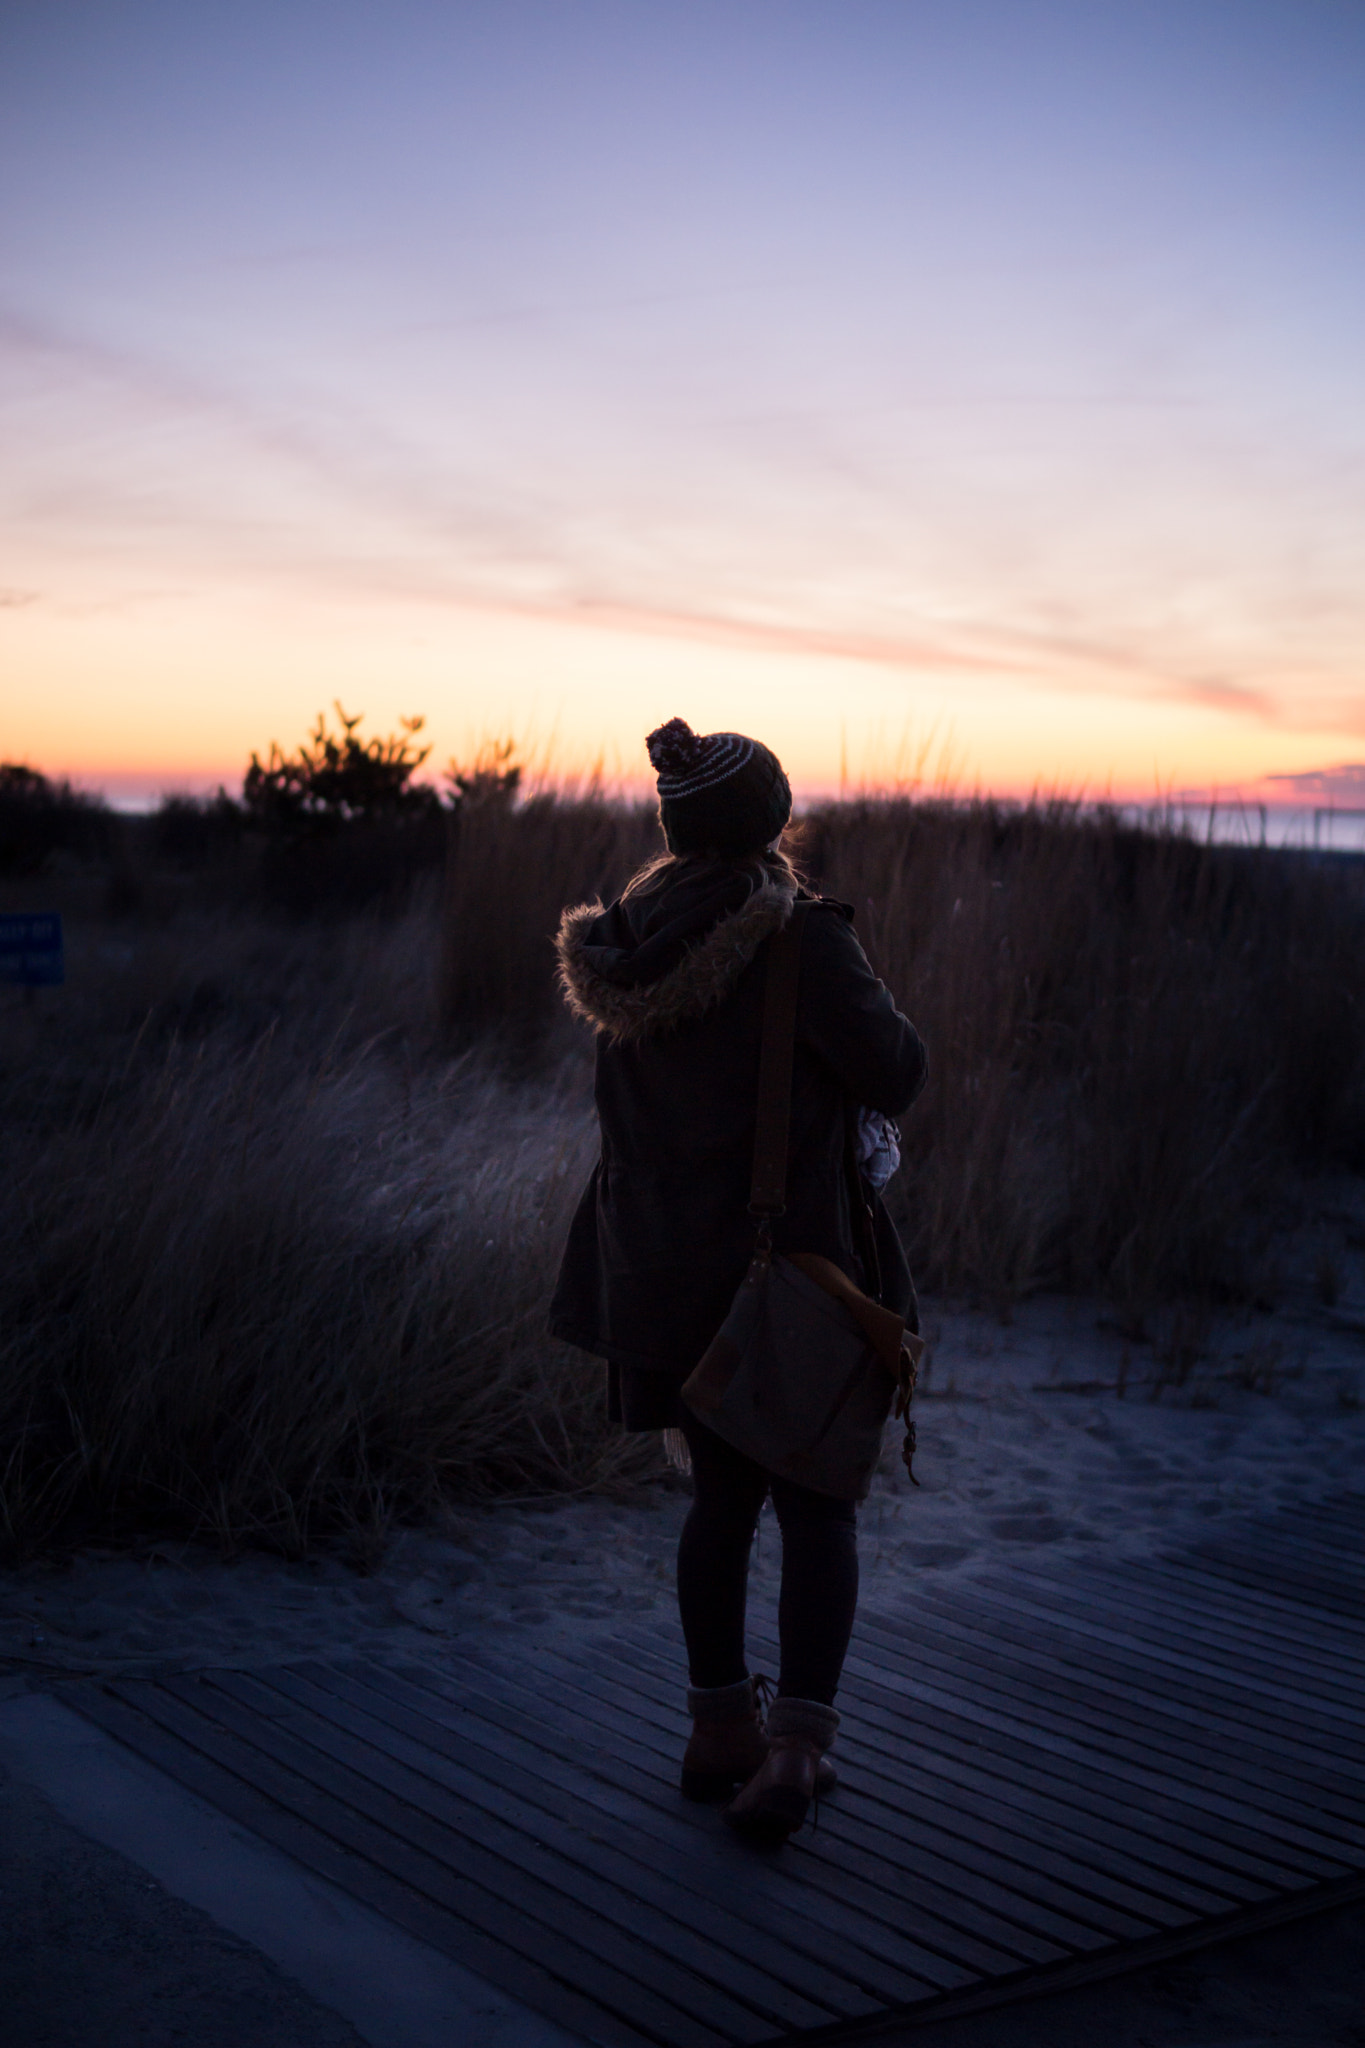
point(672, 950)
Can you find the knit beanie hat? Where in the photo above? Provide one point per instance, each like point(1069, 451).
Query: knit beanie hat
point(718, 792)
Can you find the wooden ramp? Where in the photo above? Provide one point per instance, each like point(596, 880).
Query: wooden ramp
point(1049, 1773)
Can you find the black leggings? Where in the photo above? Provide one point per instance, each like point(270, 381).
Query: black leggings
point(819, 1571)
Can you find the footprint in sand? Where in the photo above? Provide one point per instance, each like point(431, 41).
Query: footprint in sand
point(430, 1603)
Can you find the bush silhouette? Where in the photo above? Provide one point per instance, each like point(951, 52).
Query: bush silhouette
point(492, 778)
point(337, 779)
point(190, 832)
point(39, 817)
point(343, 819)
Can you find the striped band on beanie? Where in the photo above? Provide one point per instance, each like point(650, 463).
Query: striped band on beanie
point(686, 761)
point(718, 792)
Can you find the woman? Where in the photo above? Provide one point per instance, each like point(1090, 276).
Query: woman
point(671, 977)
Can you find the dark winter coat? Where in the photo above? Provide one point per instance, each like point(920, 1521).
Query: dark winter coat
point(671, 977)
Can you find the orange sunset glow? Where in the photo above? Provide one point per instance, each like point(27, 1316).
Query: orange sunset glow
point(165, 702)
point(928, 421)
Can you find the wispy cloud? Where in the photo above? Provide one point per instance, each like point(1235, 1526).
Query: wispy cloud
point(1343, 784)
point(347, 499)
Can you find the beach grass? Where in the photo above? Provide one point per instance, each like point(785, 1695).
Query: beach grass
point(276, 1261)
point(282, 1195)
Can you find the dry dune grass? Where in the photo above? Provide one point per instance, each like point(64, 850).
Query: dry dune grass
point(282, 1202)
point(275, 1263)
point(1134, 1038)
point(511, 875)
point(271, 1296)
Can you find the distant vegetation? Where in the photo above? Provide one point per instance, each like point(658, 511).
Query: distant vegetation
point(338, 779)
point(339, 822)
point(1133, 1036)
point(41, 819)
point(285, 1168)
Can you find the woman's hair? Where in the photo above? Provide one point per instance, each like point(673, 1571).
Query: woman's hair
point(766, 862)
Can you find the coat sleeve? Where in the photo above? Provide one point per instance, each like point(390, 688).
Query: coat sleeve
point(849, 1019)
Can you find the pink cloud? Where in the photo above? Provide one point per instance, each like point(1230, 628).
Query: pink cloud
point(1342, 784)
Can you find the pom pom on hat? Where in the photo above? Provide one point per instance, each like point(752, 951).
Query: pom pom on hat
point(673, 748)
point(718, 792)
point(686, 762)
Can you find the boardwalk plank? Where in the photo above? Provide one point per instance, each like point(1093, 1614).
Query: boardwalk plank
point(1079, 1915)
point(953, 1749)
point(1222, 1635)
point(1273, 1537)
point(972, 1827)
point(1169, 1597)
point(1287, 1854)
point(512, 1900)
point(696, 1931)
point(1177, 1587)
point(1282, 1542)
point(1052, 1767)
point(1271, 1545)
point(1139, 1740)
point(478, 1887)
point(1302, 1586)
point(988, 1620)
point(912, 1711)
point(1282, 1708)
point(1333, 1522)
point(1231, 1623)
point(967, 1643)
point(699, 1871)
point(560, 1855)
point(1322, 1596)
point(514, 1871)
point(491, 1716)
point(979, 1807)
point(445, 1928)
point(1163, 1823)
point(977, 1823)
point(959, 1922)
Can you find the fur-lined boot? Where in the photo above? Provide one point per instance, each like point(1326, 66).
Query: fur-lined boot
point(774, 1802)
point(728, 1743)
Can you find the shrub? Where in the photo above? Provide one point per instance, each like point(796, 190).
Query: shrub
point(343, 821)
point(40, 818)
point(193, 833)
point(337, 778)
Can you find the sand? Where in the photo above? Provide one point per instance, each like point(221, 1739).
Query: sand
point(1050, 1433)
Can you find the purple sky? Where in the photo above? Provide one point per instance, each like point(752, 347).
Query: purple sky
point(993, 367)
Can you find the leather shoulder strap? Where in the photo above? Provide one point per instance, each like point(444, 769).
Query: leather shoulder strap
point(768, 1188)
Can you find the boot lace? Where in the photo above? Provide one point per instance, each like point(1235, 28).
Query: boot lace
point(765, 1692)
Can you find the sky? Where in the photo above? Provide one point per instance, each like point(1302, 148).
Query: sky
point(973, 392)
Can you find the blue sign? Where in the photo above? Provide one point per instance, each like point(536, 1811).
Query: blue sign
point(31, 950)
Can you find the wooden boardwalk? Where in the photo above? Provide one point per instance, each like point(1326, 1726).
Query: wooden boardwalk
point(1051, 1772)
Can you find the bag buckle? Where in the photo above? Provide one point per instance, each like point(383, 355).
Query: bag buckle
point(766, 1218)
